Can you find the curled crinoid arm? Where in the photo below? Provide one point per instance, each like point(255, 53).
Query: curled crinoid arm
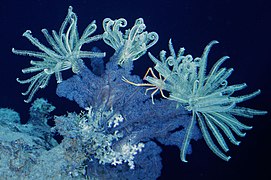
point(65, 53)
point(112, 34)
point(134, 43)
point(155, 83)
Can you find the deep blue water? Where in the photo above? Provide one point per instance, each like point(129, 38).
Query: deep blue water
point(242, 28)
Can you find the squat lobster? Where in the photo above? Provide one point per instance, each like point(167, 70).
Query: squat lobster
point(155, 83)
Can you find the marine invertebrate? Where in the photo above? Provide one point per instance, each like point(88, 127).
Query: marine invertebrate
point(133, 44)
point(155, 83)
point(208, 97)
point(66, 53)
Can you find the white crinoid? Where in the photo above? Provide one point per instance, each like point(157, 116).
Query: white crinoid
point(207, 96)
point(65, 53)
point(133, 43)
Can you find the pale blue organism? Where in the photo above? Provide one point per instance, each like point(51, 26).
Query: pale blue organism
point(207, 96)
point(65, 54)
point(133, 44)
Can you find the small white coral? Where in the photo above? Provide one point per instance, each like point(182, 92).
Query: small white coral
point(127, 154)
point(100, 142)
point(114, 122)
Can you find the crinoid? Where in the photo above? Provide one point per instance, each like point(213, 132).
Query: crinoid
point(133, 44)
point(66, 53)
point(208, 97)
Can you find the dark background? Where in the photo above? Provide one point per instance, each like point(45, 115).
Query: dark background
point(242, 28)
